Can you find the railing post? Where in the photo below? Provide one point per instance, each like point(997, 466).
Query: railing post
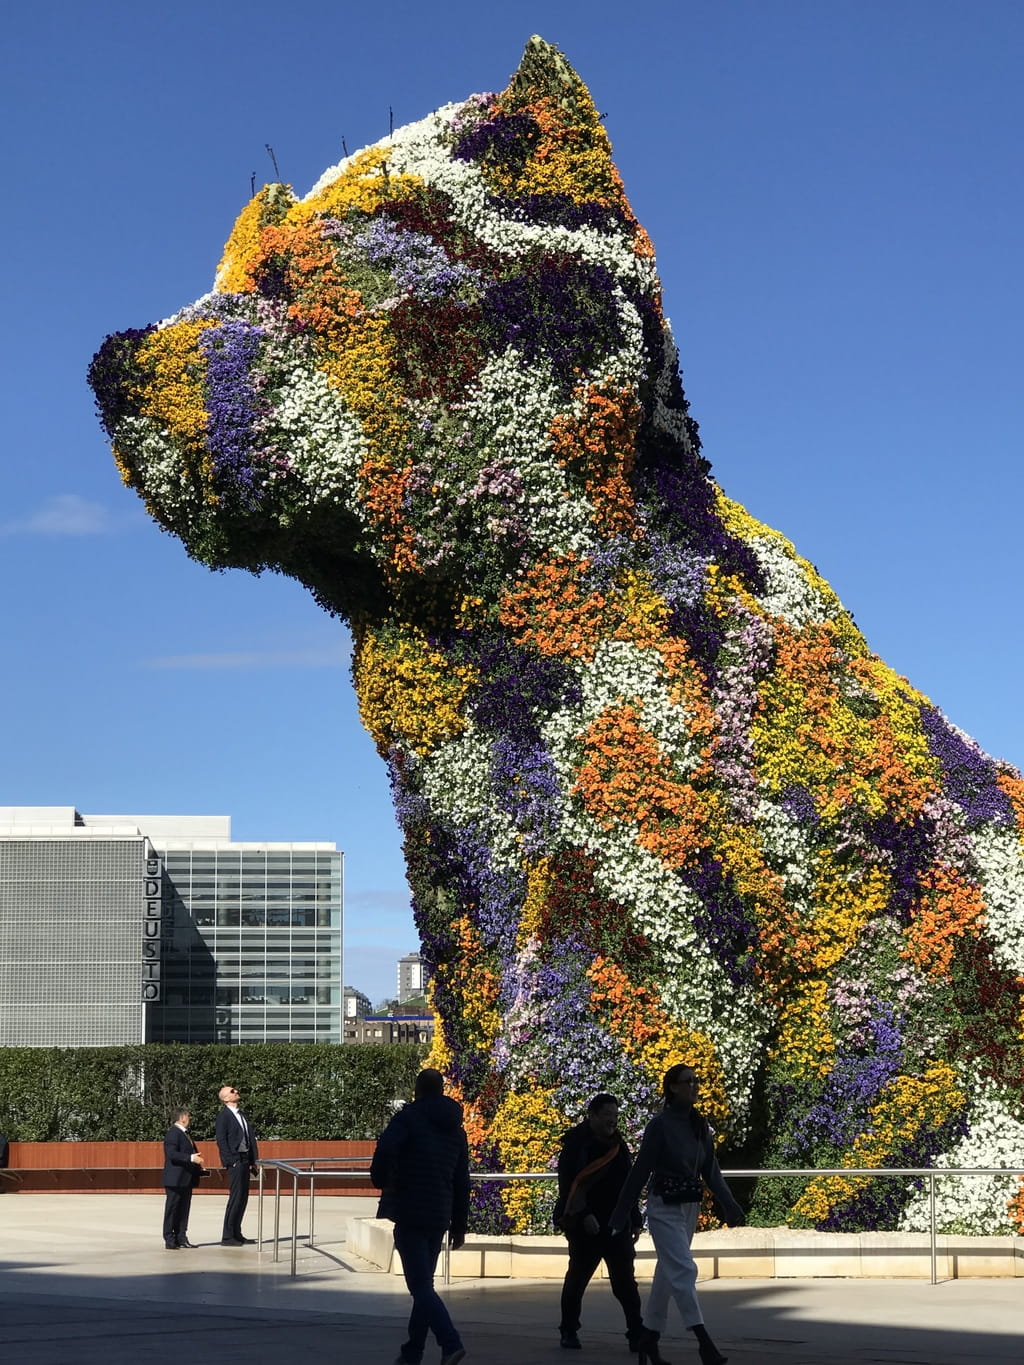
point(931, 1222)
point(446, 1259)
point(277, 1216)
point(312, 1197)
point(259, 1212)
point(295, 1221)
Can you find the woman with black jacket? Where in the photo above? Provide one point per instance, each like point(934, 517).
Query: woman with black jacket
point(592, 1166)
point(676, 1158)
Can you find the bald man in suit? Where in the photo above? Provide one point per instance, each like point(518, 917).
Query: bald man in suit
point(236, 1143)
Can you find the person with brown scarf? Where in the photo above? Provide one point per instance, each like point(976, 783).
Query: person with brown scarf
point(592, 1167)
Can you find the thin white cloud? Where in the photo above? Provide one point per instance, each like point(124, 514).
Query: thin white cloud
point(65, 514)
point(334, 656)
point(393, 901)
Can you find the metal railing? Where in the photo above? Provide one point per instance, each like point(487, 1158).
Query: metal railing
point(306, 1169)
point(302, 1168)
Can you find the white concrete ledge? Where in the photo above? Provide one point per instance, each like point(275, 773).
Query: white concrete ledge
point(732, 1254)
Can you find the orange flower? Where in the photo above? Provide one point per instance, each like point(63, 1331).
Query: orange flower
point(948, 908)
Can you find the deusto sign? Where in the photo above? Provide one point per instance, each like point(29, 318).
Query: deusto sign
point(153, 891)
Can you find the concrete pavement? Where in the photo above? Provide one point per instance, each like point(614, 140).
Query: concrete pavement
point(85, 1280)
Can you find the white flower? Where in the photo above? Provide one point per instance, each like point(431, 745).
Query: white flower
point(975, 1205)
point(999, 858)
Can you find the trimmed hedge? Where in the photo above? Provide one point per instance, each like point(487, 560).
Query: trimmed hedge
point(301, 1091)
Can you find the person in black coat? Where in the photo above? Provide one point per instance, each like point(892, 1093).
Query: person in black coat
point(236, 1143)
point(592, 1168)
point(421, 1167)
point(182, 1168)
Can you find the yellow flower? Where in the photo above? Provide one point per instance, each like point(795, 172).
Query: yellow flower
point(409, 693)
point(528, 1129)
point(234, 274)
point(907, 1106)
point(363, 185)
point(173, 393)
point(538, 886)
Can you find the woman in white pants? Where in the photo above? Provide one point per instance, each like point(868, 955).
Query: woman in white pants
point(676, 1158)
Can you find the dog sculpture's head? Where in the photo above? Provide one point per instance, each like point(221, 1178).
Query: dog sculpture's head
point(435, 368)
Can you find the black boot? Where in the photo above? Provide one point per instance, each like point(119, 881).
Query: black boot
point(647, 1349)
point(709, 1352)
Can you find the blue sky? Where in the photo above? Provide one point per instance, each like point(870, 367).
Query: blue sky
point(835, 194)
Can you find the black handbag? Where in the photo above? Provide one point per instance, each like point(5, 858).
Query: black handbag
point(672, 1187)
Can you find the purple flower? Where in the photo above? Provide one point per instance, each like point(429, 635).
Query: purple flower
point(880, 1206)
point(231, 350)
point(673, 483)
point(506, 140)
point(722, 920)
point(798, 802)
point(562, 312)
point(560, 211)
point(910, 849)
point(115, 377)
point(841, 1110)
point(525, 785)
point(518, 689)
point(418, 265)
point(970, 775)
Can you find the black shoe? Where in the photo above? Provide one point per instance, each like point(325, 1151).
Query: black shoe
point(185, 1244)
point(170, 1246)
point(710, 1355)
point(232, 1242)
point(453, 1357)
point(633, 1338)
point(247, 1241)
point(647, 1349)
point(570, 1341)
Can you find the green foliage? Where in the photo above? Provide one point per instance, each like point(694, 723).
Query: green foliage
point(772, 1204)
point(296, 1091)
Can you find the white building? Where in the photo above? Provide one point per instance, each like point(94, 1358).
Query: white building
point(413, 976)
point(356, 1004)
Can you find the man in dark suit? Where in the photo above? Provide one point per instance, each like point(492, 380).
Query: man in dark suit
point(182, 1168)
point(236, 1143)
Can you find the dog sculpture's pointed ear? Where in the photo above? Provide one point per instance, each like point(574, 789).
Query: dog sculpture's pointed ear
point(545, 137)
point(544, 71)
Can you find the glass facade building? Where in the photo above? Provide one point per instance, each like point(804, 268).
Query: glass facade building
point(251, 944)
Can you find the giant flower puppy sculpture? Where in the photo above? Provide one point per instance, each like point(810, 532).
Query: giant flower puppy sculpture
point(659, 799)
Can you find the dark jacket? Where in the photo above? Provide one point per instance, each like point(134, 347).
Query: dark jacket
point(421, 1165)
point(180, 1171)
point(231, 1138)
point(678, 1140)
point(579, 1148)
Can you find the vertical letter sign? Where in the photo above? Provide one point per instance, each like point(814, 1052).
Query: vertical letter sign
point(151, 930)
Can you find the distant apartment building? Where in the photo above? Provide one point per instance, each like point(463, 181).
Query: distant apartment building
point(385, 1029)
point(413, 976)
point(125, 928)
point(356, 1005)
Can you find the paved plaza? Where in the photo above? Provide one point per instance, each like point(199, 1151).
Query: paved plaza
point(85, 1280)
